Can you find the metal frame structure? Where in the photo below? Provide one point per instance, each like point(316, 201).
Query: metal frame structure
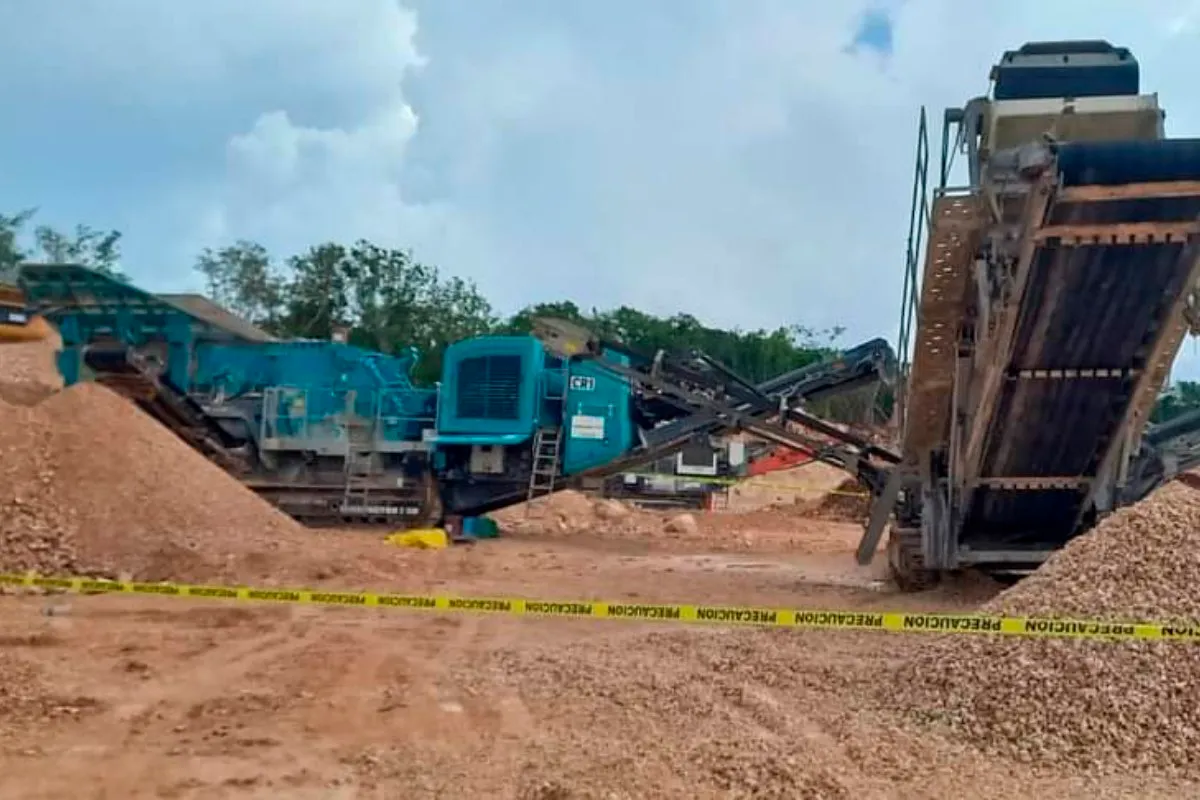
point(711, 399)
point(1055, 293)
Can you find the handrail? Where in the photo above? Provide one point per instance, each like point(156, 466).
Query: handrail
point(917, 222)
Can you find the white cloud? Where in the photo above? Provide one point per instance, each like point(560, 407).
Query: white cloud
point(285, 180)
point(175, 53)
point(722, 157)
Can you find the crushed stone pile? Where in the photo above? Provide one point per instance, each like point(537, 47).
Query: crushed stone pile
point(27, 371)
point(571, 512)
point(92, 485)
point(36, 532)
point(815, 525)
point(846, 502)
point(1101, 705)
point(807, 483)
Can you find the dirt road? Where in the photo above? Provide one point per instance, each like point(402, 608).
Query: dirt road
point(109, 697)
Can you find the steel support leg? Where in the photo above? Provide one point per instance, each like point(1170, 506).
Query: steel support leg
point(881, 511)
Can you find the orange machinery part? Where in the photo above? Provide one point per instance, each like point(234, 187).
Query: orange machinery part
point(35, 330)
point(777, 459)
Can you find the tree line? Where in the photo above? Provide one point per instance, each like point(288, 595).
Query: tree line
point(388, 300)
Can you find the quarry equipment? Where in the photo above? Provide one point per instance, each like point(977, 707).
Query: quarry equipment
point(327, 431)
point(1057, 287)
point(333, 433)
point(686, 479)
point(17, 322)
point(595, 409)
point(1168, 450)
point(678, 396)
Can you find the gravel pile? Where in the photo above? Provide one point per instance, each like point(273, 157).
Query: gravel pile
point(36, 532)
point(27, 371)
point(91, 484)
point(1109, 706)
point(847, 502)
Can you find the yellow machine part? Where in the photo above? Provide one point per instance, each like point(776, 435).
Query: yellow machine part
point(35, 330)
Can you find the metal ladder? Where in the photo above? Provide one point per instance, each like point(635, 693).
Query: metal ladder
point(358, 466)
point(547, 443)
point(358, 471)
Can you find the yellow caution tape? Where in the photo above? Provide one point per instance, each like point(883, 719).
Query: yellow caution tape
point(890, 621)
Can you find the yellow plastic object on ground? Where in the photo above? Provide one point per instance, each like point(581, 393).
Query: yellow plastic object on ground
point(421, 538)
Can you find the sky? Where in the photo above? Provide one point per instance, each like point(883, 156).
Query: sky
point(745, 161)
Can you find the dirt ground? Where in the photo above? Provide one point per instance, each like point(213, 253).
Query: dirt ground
point(140, 697)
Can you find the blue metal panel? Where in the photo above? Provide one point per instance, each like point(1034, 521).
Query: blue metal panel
point(179, 349)
point(598, 427)
point(318, 382)
point(1117, 163)
point(491, 387)
point(312, 384)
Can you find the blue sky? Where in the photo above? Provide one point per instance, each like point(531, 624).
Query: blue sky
point(748, 161)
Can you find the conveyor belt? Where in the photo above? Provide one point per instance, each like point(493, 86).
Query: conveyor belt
point(116, 367)
point(1123, 163)
point(1099, 324)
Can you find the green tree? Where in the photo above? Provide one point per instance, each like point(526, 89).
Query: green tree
point(522, 321)
point(318, 291)
point(86, 246)
point(389, 300)
point(243, 278)
point(11, 251)
point(755, 355)
point(385, 297)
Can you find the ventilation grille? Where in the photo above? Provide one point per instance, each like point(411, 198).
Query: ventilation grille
point(489, 387)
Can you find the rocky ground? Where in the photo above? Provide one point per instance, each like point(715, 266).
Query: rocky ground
point(120, 696)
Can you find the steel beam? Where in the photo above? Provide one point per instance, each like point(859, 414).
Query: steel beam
point(997, 351)
point(881, 511)
point(1121, 233)
point(1129, 191)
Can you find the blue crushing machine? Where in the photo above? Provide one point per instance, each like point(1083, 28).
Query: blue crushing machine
point(311, 425)
point(332, 433)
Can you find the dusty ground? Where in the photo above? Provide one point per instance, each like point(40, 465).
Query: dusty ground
point(133, 697)
point(124, 697)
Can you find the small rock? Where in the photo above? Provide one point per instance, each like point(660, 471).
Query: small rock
point(611, 510)
point(683, 523)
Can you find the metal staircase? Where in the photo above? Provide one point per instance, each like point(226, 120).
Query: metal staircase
point(547, 444)
point(358, 466)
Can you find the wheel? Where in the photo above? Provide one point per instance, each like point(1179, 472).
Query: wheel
point(907, 565)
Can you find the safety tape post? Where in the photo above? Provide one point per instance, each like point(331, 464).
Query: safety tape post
point(629, 610)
